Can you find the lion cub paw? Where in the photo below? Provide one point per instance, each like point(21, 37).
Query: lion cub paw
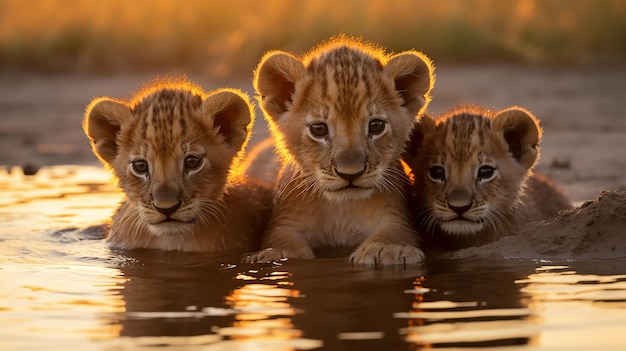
point(387, 254)
point(273, 255)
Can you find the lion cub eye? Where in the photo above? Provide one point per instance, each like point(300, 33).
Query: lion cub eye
point(192, 162)
point(437, 173)
point(139, 166)
point(486, 173)
point(376, 127)
point(318, 129)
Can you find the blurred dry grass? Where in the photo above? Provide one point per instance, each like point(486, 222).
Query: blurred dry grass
point(227, 38)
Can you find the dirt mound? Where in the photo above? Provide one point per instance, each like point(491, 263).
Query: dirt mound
point(595, 230)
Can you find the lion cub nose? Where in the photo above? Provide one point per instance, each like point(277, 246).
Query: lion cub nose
point(460, 209)
point(350, 164)
point(168, 211)
point(460, 200)
point(349, 177)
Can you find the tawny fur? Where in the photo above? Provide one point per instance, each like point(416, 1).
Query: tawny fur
point(174, 150)
point(458, 200)
point(340, 117)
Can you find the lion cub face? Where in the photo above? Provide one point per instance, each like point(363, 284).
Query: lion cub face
point(470, 167)
point(342, 115)
point(171, 149)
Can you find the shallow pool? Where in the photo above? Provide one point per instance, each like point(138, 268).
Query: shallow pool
point(61, 288)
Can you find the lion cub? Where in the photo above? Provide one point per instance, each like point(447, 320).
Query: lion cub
point(174, 150)
point(340, 117)
point(473, 178)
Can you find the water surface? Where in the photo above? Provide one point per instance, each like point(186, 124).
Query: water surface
point(63, 289)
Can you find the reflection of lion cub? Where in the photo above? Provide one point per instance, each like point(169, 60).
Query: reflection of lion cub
point(172, 149)
point(473, 176)
point(341, 117)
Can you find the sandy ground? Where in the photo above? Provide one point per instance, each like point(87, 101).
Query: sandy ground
point(583, 149)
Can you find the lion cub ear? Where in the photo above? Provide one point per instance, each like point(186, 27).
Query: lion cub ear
point(412, 73)
point(231, 114)
point(103, 120)
point(275, 80)
point(423, 127)
point(522, 133)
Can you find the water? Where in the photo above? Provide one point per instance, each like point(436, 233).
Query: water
point(61, 288)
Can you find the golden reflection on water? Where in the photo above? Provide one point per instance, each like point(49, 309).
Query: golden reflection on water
point(56, 196)
point(60, 306)
point(48, 297)
point(198, 305)
point(567, 300)
point(61, 289)
point(437, 319)
point(265, 312)
point(559, 308)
